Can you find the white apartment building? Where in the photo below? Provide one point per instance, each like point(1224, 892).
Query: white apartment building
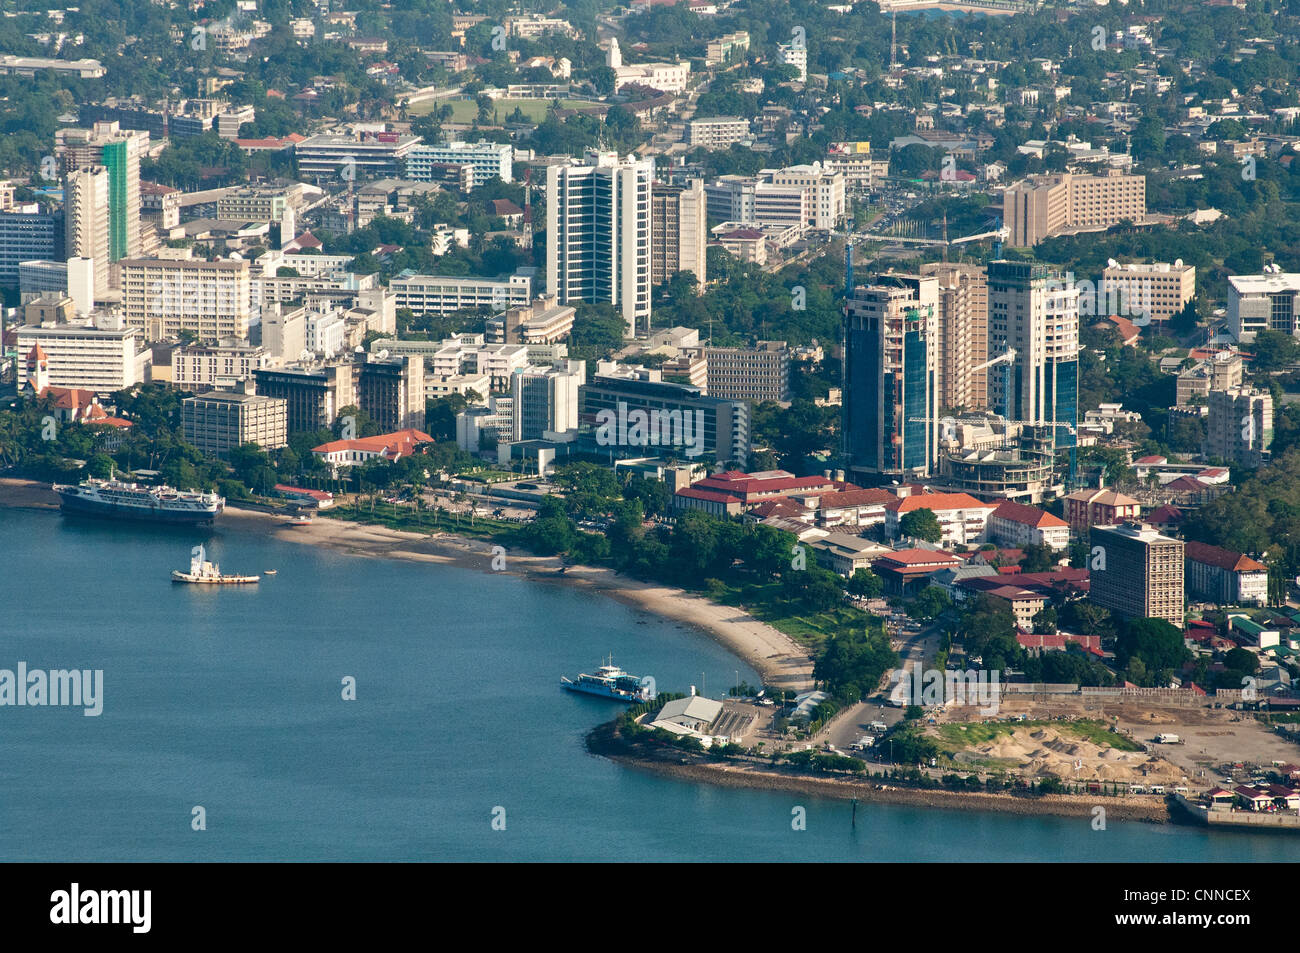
point(82, 356)
point(85, 220)
point(678, 232)
point(811, 196)
point(716, 132)
point(598, 225)
point(211, 299)
point(545, 401)
point(447, 294)
point(795, 55)
point(1017, 525)
point(1239, 427)
point(486, 160)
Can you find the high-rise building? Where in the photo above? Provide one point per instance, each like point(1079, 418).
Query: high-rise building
point(1239, 427)
point(890, 368)
point(963, 334)
point(1041, 206)
point(678, 231)
point(391, 392)
point(27, 236)
point(86, 218)
point(620, 417)
point(598, 228)
point(119, 151)
point(1136, 572)
point(1032, 311)
point(314, 396)
point(486, 161)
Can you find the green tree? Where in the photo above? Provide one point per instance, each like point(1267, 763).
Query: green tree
point(921, 524)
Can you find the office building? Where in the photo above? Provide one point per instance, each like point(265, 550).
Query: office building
point(26, 236)
point(218, 422)
point(622, 417)
point(678, 232)
point(447, 294)
point(598, 233)
point(1226, 369)
point(203, 367)
point(1034, 312)
point(391, 391)
point(545, 401)
point(963, 329)
point(485, 160)
point(85, 357)
point(1165, 288)
point(210, 299)
point(1262, 302)
point(367, 155)
point(1137, 572)
point(760, 373)
point(1239, 427)
point(1042, 206)
point(890, 413)
point(542, 322)
point(1225, 577)
point(313, 396)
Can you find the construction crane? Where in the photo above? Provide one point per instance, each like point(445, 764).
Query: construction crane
point(1010, 359)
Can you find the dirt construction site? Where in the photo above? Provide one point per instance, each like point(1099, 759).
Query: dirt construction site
point(1067, 741)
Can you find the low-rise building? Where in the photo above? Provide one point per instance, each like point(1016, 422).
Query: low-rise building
point(962, 518)
point(1223, 576)
point(388, 446)
point(1015, 524)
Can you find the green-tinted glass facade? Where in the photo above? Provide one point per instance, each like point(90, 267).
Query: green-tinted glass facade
point(115, 160)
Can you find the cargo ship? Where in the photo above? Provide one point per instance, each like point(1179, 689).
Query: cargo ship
point(610, 681)
point(115, 499)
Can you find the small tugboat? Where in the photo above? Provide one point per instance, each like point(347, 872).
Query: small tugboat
point(206, 573)
point(610, 681)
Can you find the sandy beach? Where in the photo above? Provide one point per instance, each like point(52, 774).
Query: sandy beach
point(781, 662)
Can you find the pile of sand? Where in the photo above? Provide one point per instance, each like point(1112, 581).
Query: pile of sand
point(1046, 752)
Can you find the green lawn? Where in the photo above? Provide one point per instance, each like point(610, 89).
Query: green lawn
point(765, 603)
point(466, 110)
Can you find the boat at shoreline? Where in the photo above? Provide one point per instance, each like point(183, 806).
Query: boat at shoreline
point(610, 681)
point(115, 499)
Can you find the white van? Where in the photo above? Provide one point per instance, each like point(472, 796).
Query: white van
point(878, 726)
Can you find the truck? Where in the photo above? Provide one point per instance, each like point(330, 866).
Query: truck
point(1167, 739)
point(878, 726)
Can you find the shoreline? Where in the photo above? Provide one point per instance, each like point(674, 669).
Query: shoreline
point(733, 775)
point(780, 661)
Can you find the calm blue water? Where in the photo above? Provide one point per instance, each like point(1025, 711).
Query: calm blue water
point(231, 700)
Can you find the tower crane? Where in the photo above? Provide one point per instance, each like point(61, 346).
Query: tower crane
point(1009, 358)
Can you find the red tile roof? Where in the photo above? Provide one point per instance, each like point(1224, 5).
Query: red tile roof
point(872, 497)
point(938, 501)
point(400, 443)
point(1028, 516)
point(919, 557)
point(1221, 558)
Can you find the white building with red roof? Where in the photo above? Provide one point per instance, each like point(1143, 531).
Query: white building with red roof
point(1019, 525)
point(1224, 576)
point(388, 446)
point(962, 518)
